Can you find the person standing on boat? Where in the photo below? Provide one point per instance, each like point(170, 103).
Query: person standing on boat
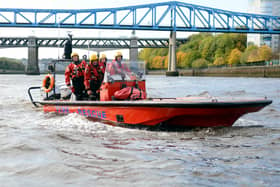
point(103, 61)
point(117, 66)
point(93, 77)
point(102, 65)
point(74, 73)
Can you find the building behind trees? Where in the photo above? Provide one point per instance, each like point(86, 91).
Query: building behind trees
point(267, 7)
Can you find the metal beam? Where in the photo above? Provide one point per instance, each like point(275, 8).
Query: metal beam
point(165, 16)
point(120, 43)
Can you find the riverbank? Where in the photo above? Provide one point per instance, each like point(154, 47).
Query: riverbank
point(251, 71)
point(11, 72)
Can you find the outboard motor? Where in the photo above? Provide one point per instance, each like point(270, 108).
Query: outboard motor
point(65, 92)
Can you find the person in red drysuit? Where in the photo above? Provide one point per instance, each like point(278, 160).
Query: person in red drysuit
point(117, 66)
point(93, 78)
point(74, 73)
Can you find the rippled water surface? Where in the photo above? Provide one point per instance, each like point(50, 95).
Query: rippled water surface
point(38, 149)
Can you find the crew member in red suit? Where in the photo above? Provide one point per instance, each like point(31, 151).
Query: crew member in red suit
point(117, 66)
point(103, 61)
point(102, 65)
point(93, 77)
point(74, 76)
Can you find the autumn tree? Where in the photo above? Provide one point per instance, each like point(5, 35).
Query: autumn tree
point(265, 53)
point(246, 56)
point(234, 57)
point(219, 61)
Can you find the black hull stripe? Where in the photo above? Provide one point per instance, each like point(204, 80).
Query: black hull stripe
point(239, 104)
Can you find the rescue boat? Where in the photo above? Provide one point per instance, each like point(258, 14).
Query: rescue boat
point(117, 107)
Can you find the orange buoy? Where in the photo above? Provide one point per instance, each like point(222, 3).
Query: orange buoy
point(48, 83)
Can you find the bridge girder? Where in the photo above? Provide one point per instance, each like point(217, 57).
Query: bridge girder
point(165, 16)
point(85, 43)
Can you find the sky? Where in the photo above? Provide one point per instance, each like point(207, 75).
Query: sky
point(236, 5)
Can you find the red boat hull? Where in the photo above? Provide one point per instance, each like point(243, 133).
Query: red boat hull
point(173, 114)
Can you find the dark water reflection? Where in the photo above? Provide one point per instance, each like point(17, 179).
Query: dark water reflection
point(40, 149)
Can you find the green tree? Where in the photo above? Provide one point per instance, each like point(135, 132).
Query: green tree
point(11, 64)
point(200, 63)
point(190, 57)
point(206, 48)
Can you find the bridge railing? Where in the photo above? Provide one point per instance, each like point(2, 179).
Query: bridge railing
point(166, 16)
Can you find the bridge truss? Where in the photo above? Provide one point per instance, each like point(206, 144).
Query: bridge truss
point(165, 16)
point(120, 43)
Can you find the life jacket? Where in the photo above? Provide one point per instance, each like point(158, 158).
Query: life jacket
point(74, 71)
point(130, 93)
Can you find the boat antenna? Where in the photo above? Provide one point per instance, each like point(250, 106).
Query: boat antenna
point(58, 55)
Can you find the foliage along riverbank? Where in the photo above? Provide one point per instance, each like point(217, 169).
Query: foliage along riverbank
point(11, 65)
point(207, 50)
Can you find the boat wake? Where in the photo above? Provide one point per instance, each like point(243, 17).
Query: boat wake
point(76, 123)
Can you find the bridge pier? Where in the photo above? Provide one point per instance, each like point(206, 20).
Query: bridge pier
point(172, 55)
point(133, 50)
point(32, 67)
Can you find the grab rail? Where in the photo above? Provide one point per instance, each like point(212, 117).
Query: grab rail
point(30, 96)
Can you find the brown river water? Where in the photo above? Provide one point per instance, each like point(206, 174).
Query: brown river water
point(38, 149)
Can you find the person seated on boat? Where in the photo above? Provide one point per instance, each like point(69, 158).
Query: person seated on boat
point(117, 66)
point(93, 77)
point(74, 73)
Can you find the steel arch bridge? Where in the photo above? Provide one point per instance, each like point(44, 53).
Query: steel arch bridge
point(84, 43)
point(165, 16)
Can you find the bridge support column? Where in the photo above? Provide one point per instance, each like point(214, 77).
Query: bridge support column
point(133, 50)
point(32, 67)
point(172, 55)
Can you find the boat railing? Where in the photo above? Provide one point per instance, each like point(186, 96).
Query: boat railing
point(30, 95)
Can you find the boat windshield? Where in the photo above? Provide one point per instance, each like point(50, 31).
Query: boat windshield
point(124, 71)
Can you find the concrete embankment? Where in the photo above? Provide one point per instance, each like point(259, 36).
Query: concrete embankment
point(252, 71)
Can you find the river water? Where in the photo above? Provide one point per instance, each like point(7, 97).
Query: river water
point(38, 149)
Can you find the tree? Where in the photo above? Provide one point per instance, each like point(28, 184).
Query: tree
point(200, 63)
point(145, 54)
point(234, 57)
point(219, 61)
point(217, 50)
point(265, 53)
point(219, 53)
point(165, 61)
point(156, 62)
point(247, 53)
point(253, 56)
point(180, 56)
point(240, 41)
point(204, 47)
point(190, 57)
point(11, 64)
